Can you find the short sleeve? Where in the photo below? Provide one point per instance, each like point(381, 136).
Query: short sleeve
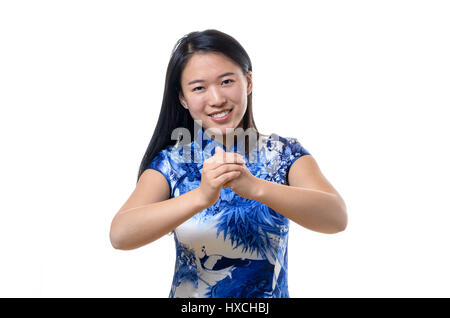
point(161, 163)
point(294, 150)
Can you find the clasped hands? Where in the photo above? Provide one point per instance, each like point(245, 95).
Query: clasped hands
point(226, 170)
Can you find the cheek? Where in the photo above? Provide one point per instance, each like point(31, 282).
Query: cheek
point(241, 112)
point(240, 97)
point(240, 100)
point(196, 109)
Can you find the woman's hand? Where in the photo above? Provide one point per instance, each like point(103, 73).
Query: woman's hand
point(245, 184)
point(221, 168)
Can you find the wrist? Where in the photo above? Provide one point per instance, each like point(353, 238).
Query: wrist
point(200, 202)
point(259, 189)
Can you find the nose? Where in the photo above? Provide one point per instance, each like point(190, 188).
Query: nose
point(215, 97)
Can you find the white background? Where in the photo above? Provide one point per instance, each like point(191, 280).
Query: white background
point(363, 85)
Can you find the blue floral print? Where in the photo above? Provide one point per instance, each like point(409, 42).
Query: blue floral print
point(237, 247)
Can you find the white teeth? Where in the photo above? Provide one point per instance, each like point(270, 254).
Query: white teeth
point(222, 114)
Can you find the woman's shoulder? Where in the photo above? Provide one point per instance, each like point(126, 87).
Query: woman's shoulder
point(163, 156)
point(168, 151)
point(284, 143)
point(275, 139)
point(177, 154)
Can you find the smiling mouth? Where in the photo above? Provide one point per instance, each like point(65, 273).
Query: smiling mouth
point(222, 114)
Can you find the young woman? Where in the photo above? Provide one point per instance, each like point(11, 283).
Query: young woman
point(229, 209)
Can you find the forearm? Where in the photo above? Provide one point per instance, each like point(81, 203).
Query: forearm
point(316, 210)
point(136, 227)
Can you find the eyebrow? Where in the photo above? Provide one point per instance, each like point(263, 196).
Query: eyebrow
point(199, 80)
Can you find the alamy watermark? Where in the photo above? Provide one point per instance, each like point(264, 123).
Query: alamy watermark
point(185, 140)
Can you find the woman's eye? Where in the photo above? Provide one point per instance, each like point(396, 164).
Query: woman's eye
point(230, 80)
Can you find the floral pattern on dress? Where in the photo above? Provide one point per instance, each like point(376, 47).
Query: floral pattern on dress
point(237, 247)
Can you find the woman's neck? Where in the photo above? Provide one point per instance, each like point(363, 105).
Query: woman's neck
point(230, 139)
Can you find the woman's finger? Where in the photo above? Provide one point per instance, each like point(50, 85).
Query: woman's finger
point(227, 157)
point(224, 168)
point(228, 176)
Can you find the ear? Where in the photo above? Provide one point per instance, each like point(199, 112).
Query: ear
point(182, 100)
point(249, 82)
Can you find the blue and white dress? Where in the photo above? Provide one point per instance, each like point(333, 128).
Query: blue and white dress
point(237, 247)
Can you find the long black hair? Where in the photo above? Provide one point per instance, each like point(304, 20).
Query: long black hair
point(173, 114)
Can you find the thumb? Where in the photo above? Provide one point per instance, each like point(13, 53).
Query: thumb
point(220, 154)
point(219, 149)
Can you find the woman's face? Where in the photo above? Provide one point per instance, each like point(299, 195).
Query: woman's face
point(207, 90)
